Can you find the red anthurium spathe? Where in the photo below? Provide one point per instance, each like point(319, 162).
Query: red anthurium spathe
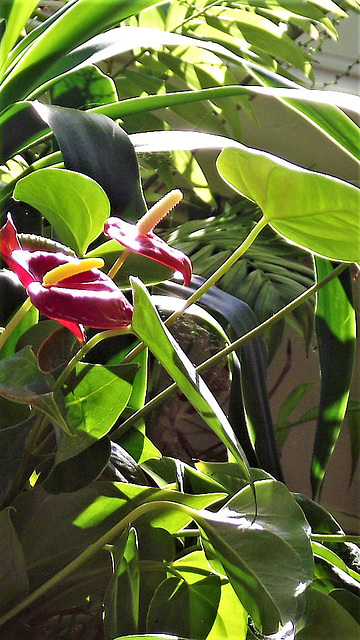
point(74, 292)
point(140, 238)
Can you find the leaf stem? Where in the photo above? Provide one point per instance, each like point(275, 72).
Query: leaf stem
point(326, 537)
point(110, 535)
point(15, 320)
point(231, 347)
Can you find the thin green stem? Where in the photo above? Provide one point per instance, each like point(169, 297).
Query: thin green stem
point(327, 537)
point(15, 320)
point(96, 546)
point(149, 406)
point(118, 263)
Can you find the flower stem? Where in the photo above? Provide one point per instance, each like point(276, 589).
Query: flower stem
point(118, 263)
point(15, 320)
point(219, 272)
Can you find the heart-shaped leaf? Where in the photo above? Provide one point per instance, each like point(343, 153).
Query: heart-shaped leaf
point(315, 211)
point(74, 204)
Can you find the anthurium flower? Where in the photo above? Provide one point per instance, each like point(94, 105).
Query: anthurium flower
point(74, 292)
point(140, 238)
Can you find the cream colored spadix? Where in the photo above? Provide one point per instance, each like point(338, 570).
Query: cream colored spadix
point(158, 211)
point(71, 269)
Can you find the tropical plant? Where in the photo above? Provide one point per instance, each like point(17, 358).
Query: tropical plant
point(103, 536)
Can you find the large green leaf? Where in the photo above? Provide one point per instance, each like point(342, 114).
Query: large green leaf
point(231, 619)
point(50, 542)
point(315, 211)
point(148, 326)
point(74, 204)
point(85, 88)
point(237, 535)
point(336, 337)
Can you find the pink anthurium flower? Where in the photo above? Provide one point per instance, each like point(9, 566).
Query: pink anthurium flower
point(140, 238)
point(74, 292)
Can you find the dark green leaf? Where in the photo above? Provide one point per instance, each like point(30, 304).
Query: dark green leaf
point(22, 381)
point(348, 601)
point(237, 535)
point(325, 619)
point(12, 443)
point(336, 335)
point(88, 87)
point(13, 576)
point(80, 469)
point(110, 158)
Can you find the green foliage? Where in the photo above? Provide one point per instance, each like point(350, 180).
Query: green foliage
point(95, 521)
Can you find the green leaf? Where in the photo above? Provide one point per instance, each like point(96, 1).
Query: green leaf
point(80, 21)
point(231, 618)
point(16, 15)
point(325, 619)
point(13, 576)
point(74, 204)
point(110, 158)
point(30, 319)
point(75, 472)
point(336, 335)
point(50, 542)
point(297, 203)
point(13, 440)
point(332, 558)
point(354, 428)
point(185, 609)
point(148, 326)
point(22, 381)
point(348, 601)
point(237, 535)
point(88, 87)
point(121, 601)
point(95, 397)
